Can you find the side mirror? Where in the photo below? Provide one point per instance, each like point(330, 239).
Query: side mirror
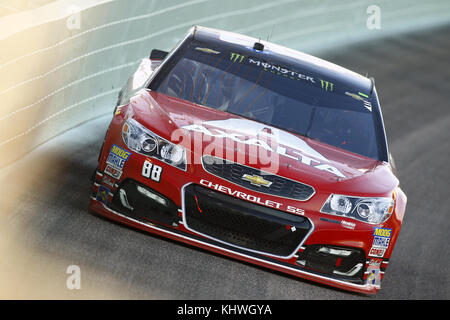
point(158, 54)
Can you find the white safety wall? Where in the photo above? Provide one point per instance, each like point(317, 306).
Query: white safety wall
point(64, 63)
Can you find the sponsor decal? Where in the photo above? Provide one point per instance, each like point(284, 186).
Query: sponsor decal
point(382, 232)
point(375, 262)
point(374, 277)
point(373, 272)
point(295, 154)
point(326, 85)
point(293, 75)
point(348, 225)
point(113, 172)
point(377, 252)
point(278, 70)
point(102, 194)
point(381, 242)
point(236, 57)
point(117, 157)
point(107, 180)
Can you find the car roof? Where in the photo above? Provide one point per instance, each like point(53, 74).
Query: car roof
point(306, 62)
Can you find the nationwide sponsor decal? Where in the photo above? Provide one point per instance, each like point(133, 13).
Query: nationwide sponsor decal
point(382, 232)
point(377, 252)
point(113, 172)
point(381, 242)
point(326, 85)
point(102, 194)
point(117, 156)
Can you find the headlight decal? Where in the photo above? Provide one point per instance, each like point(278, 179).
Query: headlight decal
point(374, 210)
point(141, 140)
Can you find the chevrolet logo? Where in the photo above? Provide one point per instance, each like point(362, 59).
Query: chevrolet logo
point(256, 180)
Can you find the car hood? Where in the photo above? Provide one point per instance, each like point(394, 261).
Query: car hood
point(239, 139)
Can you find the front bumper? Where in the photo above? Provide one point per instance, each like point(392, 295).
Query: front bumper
point(282, 242)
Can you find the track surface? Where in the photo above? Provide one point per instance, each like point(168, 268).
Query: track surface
point(44, 208)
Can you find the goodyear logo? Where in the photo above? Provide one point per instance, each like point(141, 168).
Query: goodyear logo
point(381, 232)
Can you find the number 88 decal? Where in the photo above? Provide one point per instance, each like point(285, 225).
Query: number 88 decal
point(152, 171)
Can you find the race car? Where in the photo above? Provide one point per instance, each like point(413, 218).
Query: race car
point(257, 152)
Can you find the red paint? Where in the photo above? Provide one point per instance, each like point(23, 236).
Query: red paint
point(364, 177)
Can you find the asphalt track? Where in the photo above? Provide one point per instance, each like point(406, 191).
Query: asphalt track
point(46, 226)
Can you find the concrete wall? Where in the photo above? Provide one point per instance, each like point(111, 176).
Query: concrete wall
point(64, 63)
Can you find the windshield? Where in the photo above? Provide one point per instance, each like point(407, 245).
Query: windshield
point(276, 94)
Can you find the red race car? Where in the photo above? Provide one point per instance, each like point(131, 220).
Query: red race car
point(257, 152)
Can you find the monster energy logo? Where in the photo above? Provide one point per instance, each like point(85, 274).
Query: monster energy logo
point(235, 57)
point(326, 85)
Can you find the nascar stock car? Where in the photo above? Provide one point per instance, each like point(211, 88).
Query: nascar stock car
point(257, 152)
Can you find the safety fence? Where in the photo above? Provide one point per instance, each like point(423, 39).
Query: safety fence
point(64, 63)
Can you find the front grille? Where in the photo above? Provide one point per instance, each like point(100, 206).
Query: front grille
point(280, 186)
point(243, 224)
